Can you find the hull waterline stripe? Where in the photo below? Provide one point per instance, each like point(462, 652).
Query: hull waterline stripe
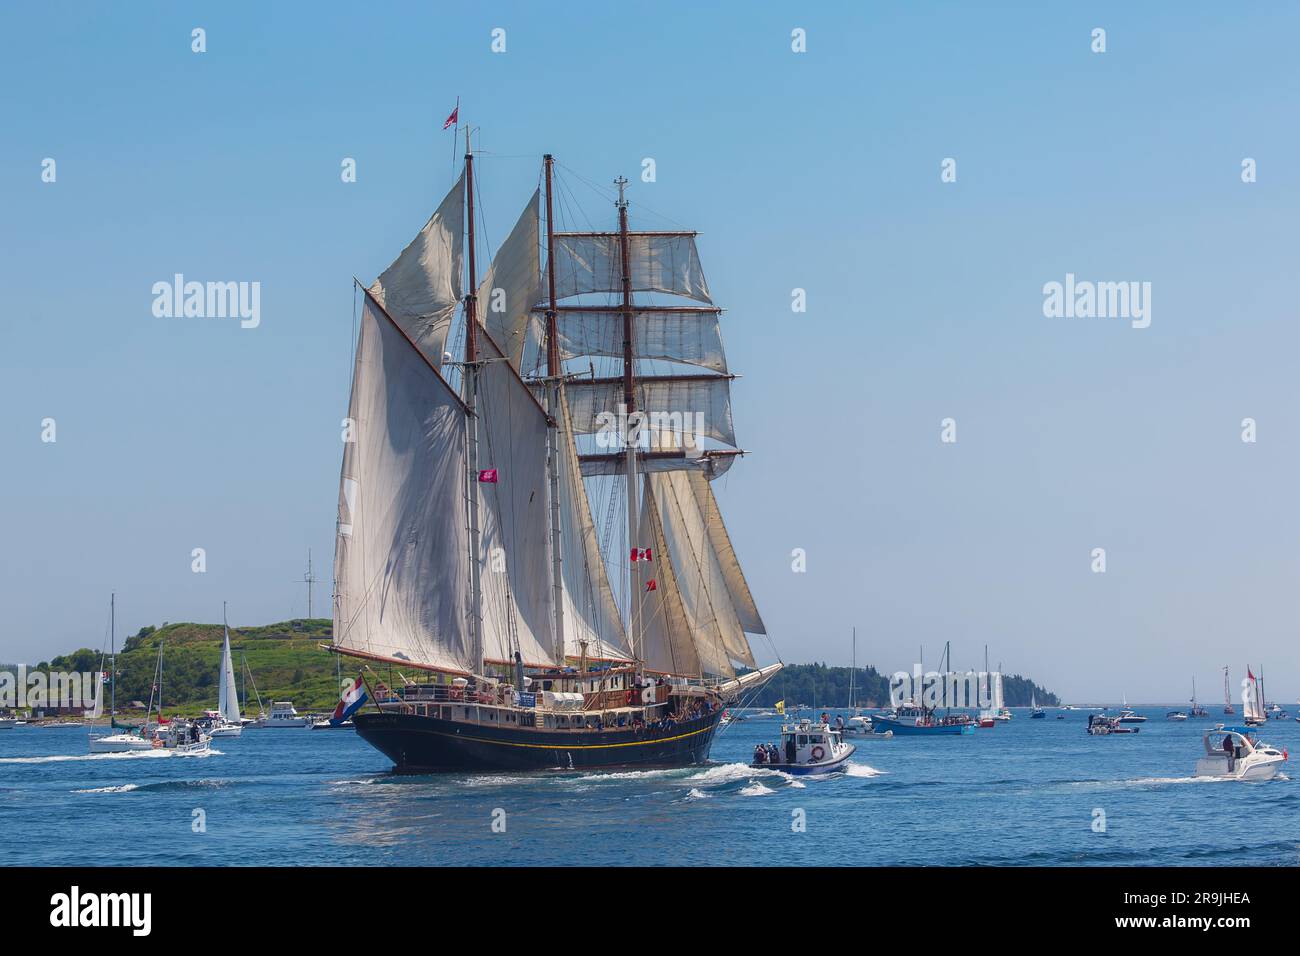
point(506, 743)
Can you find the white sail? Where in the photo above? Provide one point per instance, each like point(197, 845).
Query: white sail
point(705, 597)
point(401, 550)
point(666, 643)
point(724, 553)
point(515, 514)
point(590, 611)
point(689, 336)
point(97, 709)
point(423, 286)
point(660, 262)
point(1251, 706)
point(227, 694)
point(695, 406)
point(511, 285)
point(998, 702)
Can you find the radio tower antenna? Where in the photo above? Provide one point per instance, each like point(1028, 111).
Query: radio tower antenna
point(309, 579)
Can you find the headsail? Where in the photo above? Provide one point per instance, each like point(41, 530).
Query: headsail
point(423, 286)
point(401, 589)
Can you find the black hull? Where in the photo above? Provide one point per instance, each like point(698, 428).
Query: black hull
point(418, 744)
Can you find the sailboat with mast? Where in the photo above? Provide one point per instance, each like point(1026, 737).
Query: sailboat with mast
point(127, 739)
point(226, 720)
point(469, 546)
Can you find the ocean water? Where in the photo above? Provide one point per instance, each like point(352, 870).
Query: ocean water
point(1025, 792)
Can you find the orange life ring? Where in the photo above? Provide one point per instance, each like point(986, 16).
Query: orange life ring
point(818, 752)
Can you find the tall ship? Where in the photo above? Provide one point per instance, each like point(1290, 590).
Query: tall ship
point(528, 543)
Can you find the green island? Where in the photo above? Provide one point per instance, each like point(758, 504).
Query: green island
point(287, 662)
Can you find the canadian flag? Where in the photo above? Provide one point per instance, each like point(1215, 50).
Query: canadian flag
point(453, 118)
point(641, 554)
point(651, 586)
point(488, 476)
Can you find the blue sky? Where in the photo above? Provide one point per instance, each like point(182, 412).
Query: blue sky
point(817, 170)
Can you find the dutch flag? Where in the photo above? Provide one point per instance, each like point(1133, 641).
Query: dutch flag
point(350, 702)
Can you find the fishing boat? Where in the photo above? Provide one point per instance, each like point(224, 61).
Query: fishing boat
point(910, 720)
point(471, 547)
point(1035, 711)
point(807, 748)
point(225, 721)
point(1232, 753)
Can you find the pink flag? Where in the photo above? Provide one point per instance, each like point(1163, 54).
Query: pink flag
point(488, 476)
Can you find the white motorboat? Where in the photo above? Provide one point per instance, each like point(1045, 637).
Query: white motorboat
point(1127, 716)
point(282, 715)
point(182, 737)
point(1175, 715)
point(8, 723)
point(119, 743)
point(1231, 753)
point(806, 748)
point(859, 725)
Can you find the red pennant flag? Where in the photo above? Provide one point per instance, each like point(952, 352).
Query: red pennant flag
point(488, 476)
point(651, 586)
point(453, 118)
point(1249, 674)
point(641, 554)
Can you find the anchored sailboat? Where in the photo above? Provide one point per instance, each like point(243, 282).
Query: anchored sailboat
point(467, 544)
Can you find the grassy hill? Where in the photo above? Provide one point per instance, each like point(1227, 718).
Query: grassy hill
point(285, 659)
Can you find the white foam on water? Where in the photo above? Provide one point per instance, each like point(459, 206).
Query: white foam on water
point(698, 795)
point(153, 754)
point(861, 770)
point(124, 788)
point(733, 773)
point(61, 758)
point(756, 790)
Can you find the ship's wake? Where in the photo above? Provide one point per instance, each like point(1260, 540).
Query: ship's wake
point(129, 755)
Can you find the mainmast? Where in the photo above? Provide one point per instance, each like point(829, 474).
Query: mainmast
point(553, 410)
point(112, 661)
point(471, 422)
point(633, 429)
